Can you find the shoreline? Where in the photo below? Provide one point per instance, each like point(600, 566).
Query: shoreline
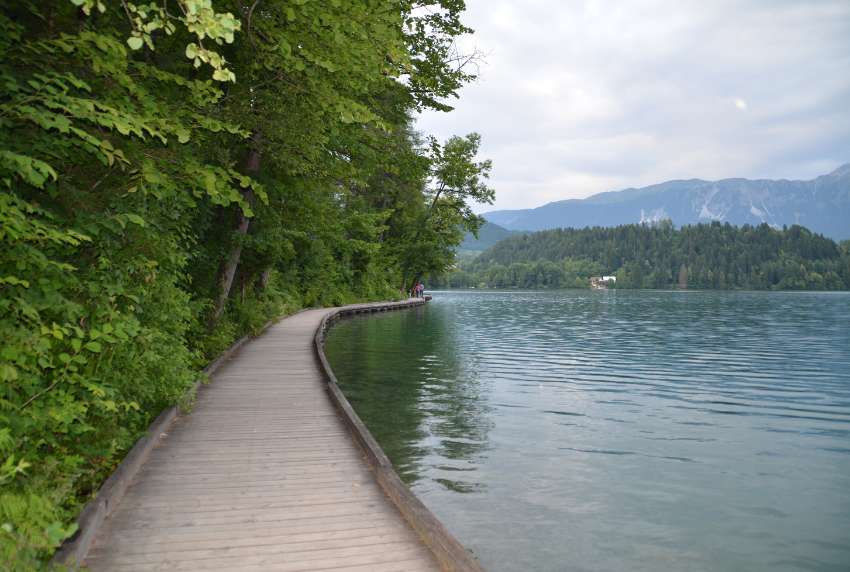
point(448, 550)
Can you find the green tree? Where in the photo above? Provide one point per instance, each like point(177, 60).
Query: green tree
point(161, 196)
point(457, 179)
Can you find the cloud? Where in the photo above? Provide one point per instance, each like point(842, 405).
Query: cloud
point(583, 97)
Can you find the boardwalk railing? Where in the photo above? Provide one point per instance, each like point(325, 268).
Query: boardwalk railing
point(445, 546)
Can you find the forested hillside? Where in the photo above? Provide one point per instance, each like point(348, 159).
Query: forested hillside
point(488, 235)
point(174, 175)
point(705, 256)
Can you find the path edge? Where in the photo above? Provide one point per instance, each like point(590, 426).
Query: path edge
point(446, 548)
point(76, 546)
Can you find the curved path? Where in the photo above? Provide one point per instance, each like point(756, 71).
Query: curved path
point(262, 475)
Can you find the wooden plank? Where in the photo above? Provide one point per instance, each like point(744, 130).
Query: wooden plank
point(387, 536)
point(271, 466)
point(270, 439)
point(159, 538)
point(282, 560)
point(329, 507)
point(153, 486)
point(322, 480)
point(415, 564)
point(249, 525)
point(196, 522)
point(222, 490)
point(241, 472)
point(256, 459)
point(258, 499)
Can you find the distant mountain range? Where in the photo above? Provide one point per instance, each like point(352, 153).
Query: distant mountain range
point(822, 205)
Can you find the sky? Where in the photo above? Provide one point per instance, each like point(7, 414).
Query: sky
point(581, 97)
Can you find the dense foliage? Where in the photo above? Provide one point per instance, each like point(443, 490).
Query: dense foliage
point(170, 181)
point(705, 256)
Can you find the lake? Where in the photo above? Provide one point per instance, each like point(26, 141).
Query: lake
point(617, 430)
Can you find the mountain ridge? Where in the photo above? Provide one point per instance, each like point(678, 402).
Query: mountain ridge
point(821, 205)
point(488, 235)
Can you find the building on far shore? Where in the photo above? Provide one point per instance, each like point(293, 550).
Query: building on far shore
point(599, 282)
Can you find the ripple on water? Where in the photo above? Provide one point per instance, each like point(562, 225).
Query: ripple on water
point(617, 430)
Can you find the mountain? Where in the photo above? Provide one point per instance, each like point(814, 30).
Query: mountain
point(822, 205)
point(488, 235)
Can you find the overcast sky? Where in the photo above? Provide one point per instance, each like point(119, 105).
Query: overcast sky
point(580, 97)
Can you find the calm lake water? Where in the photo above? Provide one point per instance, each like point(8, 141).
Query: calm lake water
point(617, 430)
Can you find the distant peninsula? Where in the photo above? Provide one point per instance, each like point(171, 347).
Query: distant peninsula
point(658, 255)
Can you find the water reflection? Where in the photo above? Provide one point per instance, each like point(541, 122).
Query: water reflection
point(617, 430)
point(419, 395)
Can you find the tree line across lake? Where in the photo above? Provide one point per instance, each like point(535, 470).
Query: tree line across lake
point(711, 256)
point(174, 175)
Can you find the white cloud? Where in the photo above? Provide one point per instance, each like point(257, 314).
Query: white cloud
point(583, 97)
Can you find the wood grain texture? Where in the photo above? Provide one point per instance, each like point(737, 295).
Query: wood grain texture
point(262, 475)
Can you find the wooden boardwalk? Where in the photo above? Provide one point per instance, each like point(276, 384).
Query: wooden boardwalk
point(262, 475)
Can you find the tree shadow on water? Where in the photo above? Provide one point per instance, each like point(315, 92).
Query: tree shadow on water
point(417, 394)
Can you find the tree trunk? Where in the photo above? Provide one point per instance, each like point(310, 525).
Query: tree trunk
point(227, 269)
point(419, 234)
point(383, 206)
point(407, 266)
point(149, 54)
point(245, 277)
point(403, 283)
point(264, 281)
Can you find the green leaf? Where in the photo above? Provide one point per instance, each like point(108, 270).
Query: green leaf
point(135, 43)
point(136, 219)
point(10, 354)
point(93, 347)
